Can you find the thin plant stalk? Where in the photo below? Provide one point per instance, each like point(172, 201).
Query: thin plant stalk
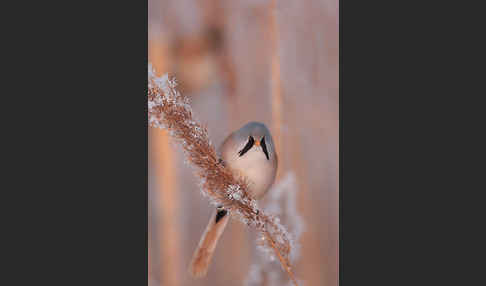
point(276, 84)
point(168, 231)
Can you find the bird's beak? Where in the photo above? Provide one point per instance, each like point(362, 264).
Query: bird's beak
point(257, 143)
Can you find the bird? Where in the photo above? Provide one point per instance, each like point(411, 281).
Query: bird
point(248, 152)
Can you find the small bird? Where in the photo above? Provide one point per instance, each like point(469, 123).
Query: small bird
point(248, 152)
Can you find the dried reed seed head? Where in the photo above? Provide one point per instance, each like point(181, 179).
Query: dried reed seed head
point(170, 110)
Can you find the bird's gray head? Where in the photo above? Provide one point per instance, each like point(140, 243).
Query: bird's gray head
point(255, 135)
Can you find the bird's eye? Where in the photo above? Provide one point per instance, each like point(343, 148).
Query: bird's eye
point(264, 147)
point(247, 147)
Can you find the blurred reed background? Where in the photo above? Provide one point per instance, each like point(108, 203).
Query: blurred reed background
point(271, 61)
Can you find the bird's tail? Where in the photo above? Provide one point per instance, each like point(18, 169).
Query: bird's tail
point(205, 249)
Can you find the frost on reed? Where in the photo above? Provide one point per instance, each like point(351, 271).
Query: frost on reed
point(282, 202)
point(168, 109)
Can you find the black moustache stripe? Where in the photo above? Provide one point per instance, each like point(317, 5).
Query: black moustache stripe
point(264, 147)
point(247, 147)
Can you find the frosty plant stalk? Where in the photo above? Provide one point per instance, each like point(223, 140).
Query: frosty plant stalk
point(282, 201)
point(170, 110)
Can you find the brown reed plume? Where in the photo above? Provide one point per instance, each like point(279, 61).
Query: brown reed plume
point(170, 110)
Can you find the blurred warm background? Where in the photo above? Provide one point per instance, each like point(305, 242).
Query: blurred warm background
point(271, 61)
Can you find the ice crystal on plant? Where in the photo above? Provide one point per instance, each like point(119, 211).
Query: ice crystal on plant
point(234, 192)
